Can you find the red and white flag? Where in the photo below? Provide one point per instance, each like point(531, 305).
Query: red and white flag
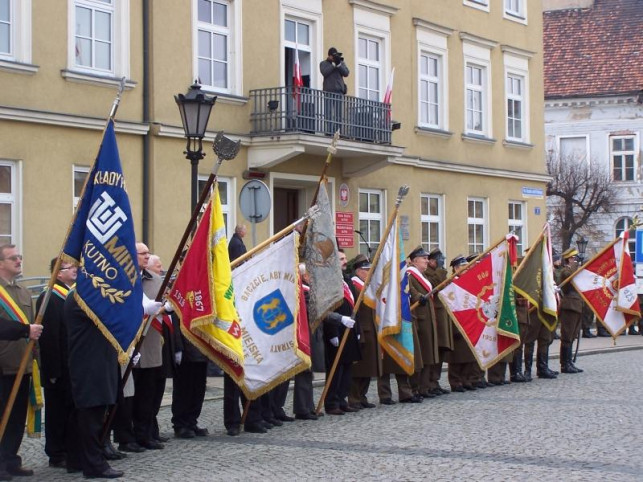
point(297, 80)
point(481, 303)
point(608, 285)
point(388, 95)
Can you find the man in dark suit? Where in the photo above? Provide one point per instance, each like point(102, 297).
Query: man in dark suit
point(236, 247)
point(55, 369)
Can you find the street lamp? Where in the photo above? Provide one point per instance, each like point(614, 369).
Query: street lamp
point(195, 108)
point(581, 243)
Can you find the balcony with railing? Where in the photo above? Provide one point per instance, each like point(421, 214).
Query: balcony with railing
point(310, 111)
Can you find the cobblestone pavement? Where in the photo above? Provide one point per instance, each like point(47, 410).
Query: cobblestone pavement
point(581, 427)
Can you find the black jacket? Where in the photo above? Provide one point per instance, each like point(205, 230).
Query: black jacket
point(53, 341)
point(236, 247)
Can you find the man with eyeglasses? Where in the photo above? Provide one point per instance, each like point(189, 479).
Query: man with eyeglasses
point(16, 305)
point(55, 367)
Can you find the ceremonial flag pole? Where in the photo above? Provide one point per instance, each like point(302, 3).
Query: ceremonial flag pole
point(225, 149)
point(403, 191)
point(52, 280)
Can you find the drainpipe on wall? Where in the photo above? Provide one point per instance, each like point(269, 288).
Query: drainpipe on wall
point(147, 140)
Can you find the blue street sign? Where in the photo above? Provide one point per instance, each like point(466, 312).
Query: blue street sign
point(639, 246)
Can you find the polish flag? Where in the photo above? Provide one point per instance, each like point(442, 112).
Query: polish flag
point(297, 80)
point(388, 95)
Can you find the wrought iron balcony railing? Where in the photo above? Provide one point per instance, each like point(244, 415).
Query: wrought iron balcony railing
point(287, 109)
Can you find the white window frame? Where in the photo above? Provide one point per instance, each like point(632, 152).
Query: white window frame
point(368, 217)
point(571, 136)
point(511, 97)
point(14, 199)
point(474, 90)
point(516, 63)
point(634, 153)
point(478, 4)
point(483, 221)
point(373, 21)
point(370, 64)
point(310, 12)
point(430, 219)
point(120, 51)
point(432, 41)
point(228, 208)
point(18, 59)
point(74, 198)
point(477, 53)
point(520, 223)
point(430, 80)
point(515, 10)
point(234, 43)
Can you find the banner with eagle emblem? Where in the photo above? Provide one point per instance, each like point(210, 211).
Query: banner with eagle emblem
point(481, 303)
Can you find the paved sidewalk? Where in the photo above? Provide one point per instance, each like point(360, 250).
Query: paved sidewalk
point(588, 346)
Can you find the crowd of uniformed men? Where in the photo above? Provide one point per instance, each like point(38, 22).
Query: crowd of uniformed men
point(79, 393)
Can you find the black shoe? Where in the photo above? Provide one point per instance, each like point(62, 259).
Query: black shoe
point(443, 390)
point(106, 474)
point(20, 471)
point(151, 445)
point(632, 331)
point(266, 425)
point(109, 451)
point(518, 378)
point(349, 409)
point(320, 414)
point(588, 334)
point(427, 395)
point(335, 411)
point(4, 475)
point(275, 422)
point(412, 399)
point(469, 387)
point(72, 470)
point(161, 438)
point(131, 447)
point(387, 401)
point(306, 416)
point(184, 432)
point(286, 418)
point(481, 384)
point(254, 428)
point(459, 389)
point(548, 375)
point(367, 405)
point(58, 464)
point(603, 334)
point(200, 431)
point(234, 431)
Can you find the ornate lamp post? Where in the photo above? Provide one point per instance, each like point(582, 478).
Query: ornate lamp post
point(195, 108)
point(581, 243)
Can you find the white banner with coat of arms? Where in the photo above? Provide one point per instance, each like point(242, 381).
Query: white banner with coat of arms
point(266, 289)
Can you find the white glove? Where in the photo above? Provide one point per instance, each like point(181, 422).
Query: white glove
point(178, 357)
point(358, 336)
point(334, 341)
point(348, 322)
point(557, 289)
point(35, 331)
point(136, 359)
point(52, 380)
point(169, 307)
point(151, 307)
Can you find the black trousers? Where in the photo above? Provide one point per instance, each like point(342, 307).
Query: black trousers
point(278, 397)
point(123, 429)
point(188, 392)
point(303, 402)
point(12, 439)
point(339, 386)
point(232, 396)
point(88, 430)
point(143, 410)
point(58, 410)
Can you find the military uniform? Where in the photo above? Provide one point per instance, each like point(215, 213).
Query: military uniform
point(571, 310)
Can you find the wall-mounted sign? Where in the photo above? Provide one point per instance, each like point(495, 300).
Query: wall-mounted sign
point(344, 229)
point(344, 195)
point(533, 192)
point(537, 210)
point(404, 227)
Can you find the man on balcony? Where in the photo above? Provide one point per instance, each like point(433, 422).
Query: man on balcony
point(334, 70)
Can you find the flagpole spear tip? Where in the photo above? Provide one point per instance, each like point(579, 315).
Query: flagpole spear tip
point(117, 100)
point(332, 149)
point(403, 191)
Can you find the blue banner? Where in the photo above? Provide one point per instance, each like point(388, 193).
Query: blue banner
point(103, 244)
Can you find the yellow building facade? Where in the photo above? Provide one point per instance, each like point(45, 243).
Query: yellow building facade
point(464, 130)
